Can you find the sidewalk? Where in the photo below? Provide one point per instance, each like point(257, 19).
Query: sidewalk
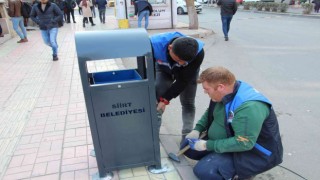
point(44, 130)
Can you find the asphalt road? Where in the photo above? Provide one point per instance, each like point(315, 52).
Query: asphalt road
point(279, 55)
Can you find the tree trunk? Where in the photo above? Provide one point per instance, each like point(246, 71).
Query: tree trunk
point(193, 16)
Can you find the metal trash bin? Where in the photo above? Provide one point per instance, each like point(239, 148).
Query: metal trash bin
point(121, 104)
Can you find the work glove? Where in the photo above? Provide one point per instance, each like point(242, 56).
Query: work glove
point(193, 135)
point(198, 144)
point(184, 143)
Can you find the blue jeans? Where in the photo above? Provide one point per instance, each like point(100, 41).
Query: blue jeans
point(50, 38)
point(144, 14)
point(102, 15)
point(226, 20)
point(18, 22)
point(164, 81)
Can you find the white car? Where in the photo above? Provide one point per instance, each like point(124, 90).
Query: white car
point(202, 1)
point(182, 7)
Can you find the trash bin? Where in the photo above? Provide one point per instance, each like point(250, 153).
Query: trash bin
point(121, 104)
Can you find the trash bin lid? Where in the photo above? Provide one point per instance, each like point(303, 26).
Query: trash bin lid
point(108, 44)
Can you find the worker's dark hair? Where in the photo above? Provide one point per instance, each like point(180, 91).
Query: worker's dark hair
point(185, 48)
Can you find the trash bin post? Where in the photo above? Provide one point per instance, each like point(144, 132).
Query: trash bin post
point(121, 104)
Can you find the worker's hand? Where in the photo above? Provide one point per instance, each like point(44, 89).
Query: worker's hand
point(135, 17)
point(161, 106)
point(198, 144)
point(194, 134)
point(184, 143)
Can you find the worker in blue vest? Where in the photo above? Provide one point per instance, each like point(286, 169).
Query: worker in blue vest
point(243, 137)
point(177, 63)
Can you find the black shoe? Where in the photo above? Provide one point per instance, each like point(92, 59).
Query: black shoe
point(93, 24)
point(55, 58)
point(84, 25)
point(74, 22)
point(226, 38)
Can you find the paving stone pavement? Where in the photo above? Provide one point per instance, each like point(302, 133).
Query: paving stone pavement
point(44, 129)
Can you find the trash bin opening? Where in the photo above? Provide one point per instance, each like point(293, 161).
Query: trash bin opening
point(115, 76)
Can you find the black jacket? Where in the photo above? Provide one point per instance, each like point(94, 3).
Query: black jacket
point(228, 7)
point(141, 5)
point(48, 18)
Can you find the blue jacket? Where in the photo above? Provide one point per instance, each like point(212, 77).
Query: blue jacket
point(101, 4)
point(183, 75)
point(268, 151)
point(160, 43)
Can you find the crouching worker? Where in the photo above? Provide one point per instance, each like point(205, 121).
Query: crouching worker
point(243, 133)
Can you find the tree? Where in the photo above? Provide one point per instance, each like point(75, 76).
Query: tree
point(193, 16)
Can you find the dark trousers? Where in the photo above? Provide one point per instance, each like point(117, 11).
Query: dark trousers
point(70, 11)
point(93, 11)
point(226, 20)
point(102, 15)
point(80, 10)
point(85, 19)
point(212, 166)
point(0, 30)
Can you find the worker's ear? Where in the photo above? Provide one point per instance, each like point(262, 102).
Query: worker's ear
point(170, 47)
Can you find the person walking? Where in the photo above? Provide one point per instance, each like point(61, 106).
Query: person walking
point(243, 137)
point(102, 10)
point(143, 9)
point(316, 5)
point(86, 12)
point(1, 35)
point(228, 8)
point(80, 9)
point(70, 5)
point(92, 7)
point(62, 5)
point(47, 15)
point(177, 63)
point(17, 20)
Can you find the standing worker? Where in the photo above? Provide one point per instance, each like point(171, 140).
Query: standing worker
point(102, 10)
point(177, 63)
point(228, 8)
point(143, 9)
point(47, 15)
point(242, 129)
point(17, 20)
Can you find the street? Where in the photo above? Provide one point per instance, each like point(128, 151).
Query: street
point(278, 55)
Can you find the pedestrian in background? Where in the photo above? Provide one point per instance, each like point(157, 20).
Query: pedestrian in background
point(177, 63)
point(316, 5)
point(70, 5)
point(62, 5)
point(80, 9)
point(47, 15)
point(1, 35)
point(228, 8)
point(92, 7)
point(17, 20)
point(86, 12)
point(101, 4)
point(243, 137)
point(143, 9)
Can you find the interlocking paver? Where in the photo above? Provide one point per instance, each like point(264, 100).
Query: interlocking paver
point(44, 128)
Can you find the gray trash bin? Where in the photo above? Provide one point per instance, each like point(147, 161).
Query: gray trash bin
point(121, 104)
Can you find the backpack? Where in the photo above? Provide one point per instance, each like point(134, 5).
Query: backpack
point(25, 9)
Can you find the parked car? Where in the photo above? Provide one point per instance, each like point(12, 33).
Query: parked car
point(182, 7)
point(201, 1)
